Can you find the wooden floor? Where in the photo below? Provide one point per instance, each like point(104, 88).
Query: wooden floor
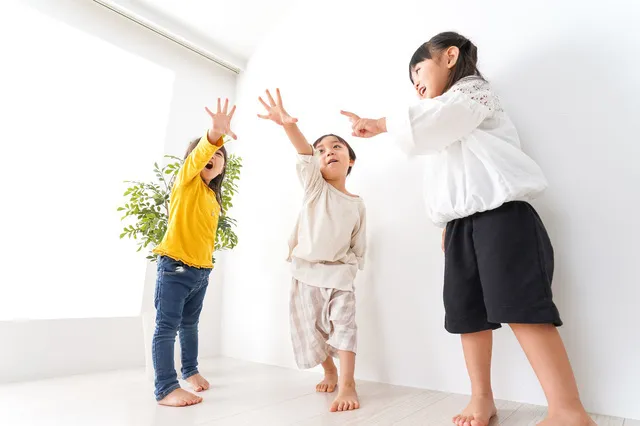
point(243, 394)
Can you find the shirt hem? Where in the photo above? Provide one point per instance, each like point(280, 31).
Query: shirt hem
point(308, 280)
point(184, 260)
point(350, 288)
point(473, 211)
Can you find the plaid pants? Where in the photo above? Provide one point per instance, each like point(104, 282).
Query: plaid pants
point(323, 321)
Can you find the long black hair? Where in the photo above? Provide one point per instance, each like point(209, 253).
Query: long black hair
point(352, 154)
point(466, 64)
point(216, 182)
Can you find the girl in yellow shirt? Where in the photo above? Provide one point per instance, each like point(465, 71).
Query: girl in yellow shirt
point(185, 260)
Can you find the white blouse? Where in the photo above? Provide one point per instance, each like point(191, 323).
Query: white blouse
point(473, 158)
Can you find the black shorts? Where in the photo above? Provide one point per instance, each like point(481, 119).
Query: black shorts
point(498, 269)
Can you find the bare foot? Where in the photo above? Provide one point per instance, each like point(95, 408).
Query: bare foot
point(328, 384)
point(347, 398)
point(198, 383)
point(569, 418)
point(478, 413)
point(180, 398)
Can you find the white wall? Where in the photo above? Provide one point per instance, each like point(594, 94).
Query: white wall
point(36, 349)
point(567, 74)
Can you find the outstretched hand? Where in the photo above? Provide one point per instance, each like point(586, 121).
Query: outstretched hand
point(364, 127)
point(275, 110)
point(221, 121)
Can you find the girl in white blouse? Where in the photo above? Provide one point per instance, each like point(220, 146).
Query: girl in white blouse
point(498, 256)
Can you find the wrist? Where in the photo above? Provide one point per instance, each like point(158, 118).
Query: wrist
point(381, 123)
point(214, 138)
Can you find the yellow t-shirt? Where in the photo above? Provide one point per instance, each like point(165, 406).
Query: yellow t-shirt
point(193, 212)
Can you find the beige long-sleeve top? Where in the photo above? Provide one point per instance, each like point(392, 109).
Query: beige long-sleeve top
point(327, 246)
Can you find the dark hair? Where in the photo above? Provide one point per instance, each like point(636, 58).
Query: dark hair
point(352, 154)
point(467, 59)
point(216, 182)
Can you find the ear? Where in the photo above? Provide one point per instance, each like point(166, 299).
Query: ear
point(451, 55)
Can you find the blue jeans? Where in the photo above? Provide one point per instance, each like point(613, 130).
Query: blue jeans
point(179, 295)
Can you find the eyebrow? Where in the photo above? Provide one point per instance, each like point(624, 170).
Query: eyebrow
point(319, 146)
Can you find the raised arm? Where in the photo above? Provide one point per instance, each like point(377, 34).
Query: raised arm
point(432, 124)
point(307, 167)
point(209, 144)
point(277, 114)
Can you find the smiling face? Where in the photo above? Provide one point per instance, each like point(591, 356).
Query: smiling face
point(336, 157)
point(441, 62)
point(431, 75)
point(429, 78)
point(214, 167)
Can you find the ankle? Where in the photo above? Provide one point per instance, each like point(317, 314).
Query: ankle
point(347, 383)
point(566, 407)
point(482, 394)
point(331, 371)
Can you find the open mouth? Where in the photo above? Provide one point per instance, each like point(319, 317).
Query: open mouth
point(333, 160)
point(209, 166)
point(422, 91)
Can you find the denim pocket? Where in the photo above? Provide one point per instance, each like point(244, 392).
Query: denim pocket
point(171, 266)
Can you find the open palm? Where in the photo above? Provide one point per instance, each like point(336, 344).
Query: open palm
point(221, 119)
point(275, 110)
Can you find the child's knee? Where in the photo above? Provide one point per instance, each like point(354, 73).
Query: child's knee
point(167, 325)
point(189, 327)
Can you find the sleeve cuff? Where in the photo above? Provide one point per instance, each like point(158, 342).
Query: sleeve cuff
point(209, 147)
point(399, 127)
point(217, 143)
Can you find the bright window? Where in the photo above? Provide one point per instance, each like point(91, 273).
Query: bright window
point(79, 116)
